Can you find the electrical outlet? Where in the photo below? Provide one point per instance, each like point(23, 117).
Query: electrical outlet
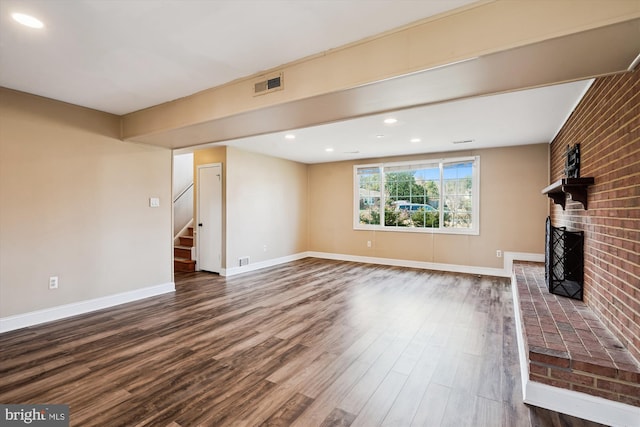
point(53, 282)
point(499, 253)
point(264, 248)
point(368, 243)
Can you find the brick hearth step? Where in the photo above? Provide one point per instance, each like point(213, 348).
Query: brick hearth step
point(568, 346)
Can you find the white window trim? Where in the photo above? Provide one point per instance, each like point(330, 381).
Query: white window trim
point(475, 194)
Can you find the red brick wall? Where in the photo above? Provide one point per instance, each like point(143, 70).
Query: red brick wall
point(606, 123)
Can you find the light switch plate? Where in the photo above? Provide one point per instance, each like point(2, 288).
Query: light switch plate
point(154, 202)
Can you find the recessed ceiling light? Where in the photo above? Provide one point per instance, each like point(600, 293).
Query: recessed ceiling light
point(380, 136)
point(414, 140)
point(289, 136)
point(328, 150)
point(27, 20)
point(390, 121)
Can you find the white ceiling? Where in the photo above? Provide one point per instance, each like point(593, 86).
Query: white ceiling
point(120, 56)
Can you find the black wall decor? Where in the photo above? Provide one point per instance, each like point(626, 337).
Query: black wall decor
point(571, 185)
point(572, 164)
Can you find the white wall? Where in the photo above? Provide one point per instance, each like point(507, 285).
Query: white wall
point(182, 178)
point(182, 172)
point(74, 203)
point(512, 212)
point(266, 207)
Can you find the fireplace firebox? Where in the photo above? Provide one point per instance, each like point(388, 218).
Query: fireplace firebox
point(564, 261)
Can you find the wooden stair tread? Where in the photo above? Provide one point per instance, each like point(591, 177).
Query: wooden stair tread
point(184, 265)
point(182, 252)
point(187, 238)
point(184, 260)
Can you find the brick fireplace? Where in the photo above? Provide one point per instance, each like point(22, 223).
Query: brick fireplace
point(606, 124)
point(583, 357)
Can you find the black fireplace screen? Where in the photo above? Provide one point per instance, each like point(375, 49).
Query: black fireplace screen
point(564, 261)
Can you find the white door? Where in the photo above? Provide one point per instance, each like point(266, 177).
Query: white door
point(209, 218)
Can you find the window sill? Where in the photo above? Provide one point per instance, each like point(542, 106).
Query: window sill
point(452, 231)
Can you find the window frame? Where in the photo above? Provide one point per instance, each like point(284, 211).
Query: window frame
point(440, 163)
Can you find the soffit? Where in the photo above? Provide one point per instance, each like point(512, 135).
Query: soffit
point(580, 56)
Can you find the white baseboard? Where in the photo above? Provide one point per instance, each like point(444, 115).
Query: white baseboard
point(19, 321)
point(510, 257)
point(454, 268)
point(582, 405)
point(262, 264)
point(568, 402)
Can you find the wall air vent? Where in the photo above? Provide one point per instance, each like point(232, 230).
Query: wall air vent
point(268, 83)
point(464, 141)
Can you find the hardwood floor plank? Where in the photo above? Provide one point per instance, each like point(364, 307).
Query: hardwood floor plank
point(308, 343)
point(460, 410)
point(366, 386)
point(249, 341)
point(488, 413)
point(338, 418)
point(490, 367)
point(317, 375)
point(263, 407)
point(16, 379)
point(377, 407)
point(222, 411)
point(514, 410)
point(288, 412)
point(368, 347)
point(410, 356)
point(448, 362)
point(331, 396)
point(430, 412)
point(297, 369)
point(406, 404)
point(466, 377)
point(38, 389)
point(87, 413)
point(334, 391)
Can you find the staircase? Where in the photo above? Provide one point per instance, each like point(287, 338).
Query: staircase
point(182, 253)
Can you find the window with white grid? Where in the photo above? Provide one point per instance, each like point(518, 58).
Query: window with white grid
point(429, 195)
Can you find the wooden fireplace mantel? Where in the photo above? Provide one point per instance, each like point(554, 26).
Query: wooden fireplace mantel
point(576, 187)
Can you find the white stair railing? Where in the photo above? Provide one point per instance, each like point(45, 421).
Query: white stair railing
point(182, 210)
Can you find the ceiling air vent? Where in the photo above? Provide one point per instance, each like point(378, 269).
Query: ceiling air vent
point(268, 84)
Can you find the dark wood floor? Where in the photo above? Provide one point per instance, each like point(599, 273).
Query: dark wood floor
point(309, 343)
